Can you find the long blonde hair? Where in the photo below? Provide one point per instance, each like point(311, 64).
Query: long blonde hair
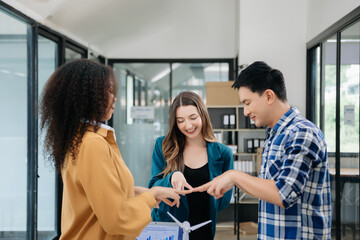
point(174, 142)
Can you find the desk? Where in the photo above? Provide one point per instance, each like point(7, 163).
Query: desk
point(345, 172)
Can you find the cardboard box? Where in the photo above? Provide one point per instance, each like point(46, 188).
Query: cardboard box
point(258, 159)
point(221, 93)
point(248, 228)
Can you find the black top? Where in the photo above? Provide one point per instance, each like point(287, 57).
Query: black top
point(199, 202)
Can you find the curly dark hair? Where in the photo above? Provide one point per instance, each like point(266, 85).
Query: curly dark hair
point(77, 92)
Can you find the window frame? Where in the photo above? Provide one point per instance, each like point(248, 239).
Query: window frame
point(335, 29)
point(34, 29)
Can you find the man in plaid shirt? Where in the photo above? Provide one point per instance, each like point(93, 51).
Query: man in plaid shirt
point(294, 184)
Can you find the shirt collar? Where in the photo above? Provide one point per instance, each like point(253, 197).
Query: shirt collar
point(107, 127)
point(284, 120)
point(103, 128)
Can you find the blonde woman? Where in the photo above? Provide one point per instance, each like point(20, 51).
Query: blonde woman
point(189, 156)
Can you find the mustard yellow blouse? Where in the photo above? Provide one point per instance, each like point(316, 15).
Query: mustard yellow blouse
point(98, 197)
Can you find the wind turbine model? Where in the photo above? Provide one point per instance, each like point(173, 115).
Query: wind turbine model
point(186, 226)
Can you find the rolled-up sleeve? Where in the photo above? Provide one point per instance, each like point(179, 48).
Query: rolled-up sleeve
point(301, 154)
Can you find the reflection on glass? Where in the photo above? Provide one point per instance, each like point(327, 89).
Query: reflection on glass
point(13, 127)
point(329, 83)
point(129, 97)
point(46, 182)
point(193, 76)
point(149, 84)
point(329, 76)
point(349, 94)
point(349, 131)
point(317, 85)
point(71, 55)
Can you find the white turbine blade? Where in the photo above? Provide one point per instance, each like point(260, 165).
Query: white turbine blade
point(177, 222)
point(199, 225)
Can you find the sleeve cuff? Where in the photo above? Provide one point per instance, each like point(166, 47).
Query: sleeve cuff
point(288, 195)
point(148, 199)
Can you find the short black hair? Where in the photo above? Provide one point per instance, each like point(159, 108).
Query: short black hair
point(259, 76)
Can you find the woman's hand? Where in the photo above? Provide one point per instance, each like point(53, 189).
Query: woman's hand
point(178, 181)
point(164, 194)
point(140, 190)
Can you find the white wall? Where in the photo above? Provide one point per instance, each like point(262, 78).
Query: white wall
point(324, 13)
point(274, 31)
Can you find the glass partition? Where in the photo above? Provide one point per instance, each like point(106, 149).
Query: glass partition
point(142, 87)
point(349, 131)
point(335, 106)
point(329, 76)
point(13, 127)
point(47, 63)
point(318, 87)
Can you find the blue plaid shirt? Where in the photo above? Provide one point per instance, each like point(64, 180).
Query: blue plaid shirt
point(295, 157)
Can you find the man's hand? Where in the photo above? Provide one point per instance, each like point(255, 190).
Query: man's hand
point(219, 185)
point(179, 182)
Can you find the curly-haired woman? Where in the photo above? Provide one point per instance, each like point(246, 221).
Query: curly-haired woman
point(189, 156)
point(99, 197)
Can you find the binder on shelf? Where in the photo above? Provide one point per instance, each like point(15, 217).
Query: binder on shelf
point(256, 144)
point(242, 119)
point(248, 145)
point(237, 165)
point(232, 121)
point(226, 121)
point(248, 166)
point(251, 168)
point(218, 137)
point(233, 148)
point(262, 142)
point(252, 123)
point(232, 137)
point(242, 167)
point(258, 159)
point(247, 122)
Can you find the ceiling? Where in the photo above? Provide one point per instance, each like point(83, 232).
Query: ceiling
point(118, 28)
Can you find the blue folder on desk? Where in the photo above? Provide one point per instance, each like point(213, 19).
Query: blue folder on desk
point(161, 231)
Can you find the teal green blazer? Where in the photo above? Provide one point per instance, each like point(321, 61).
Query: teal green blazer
point(220, 159)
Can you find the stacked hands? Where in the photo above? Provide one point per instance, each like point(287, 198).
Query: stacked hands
point(217, 188)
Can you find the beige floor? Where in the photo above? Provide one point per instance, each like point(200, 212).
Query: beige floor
point(225, 231)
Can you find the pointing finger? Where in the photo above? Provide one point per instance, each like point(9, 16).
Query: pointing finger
point(188, 186)
point(202, 188)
